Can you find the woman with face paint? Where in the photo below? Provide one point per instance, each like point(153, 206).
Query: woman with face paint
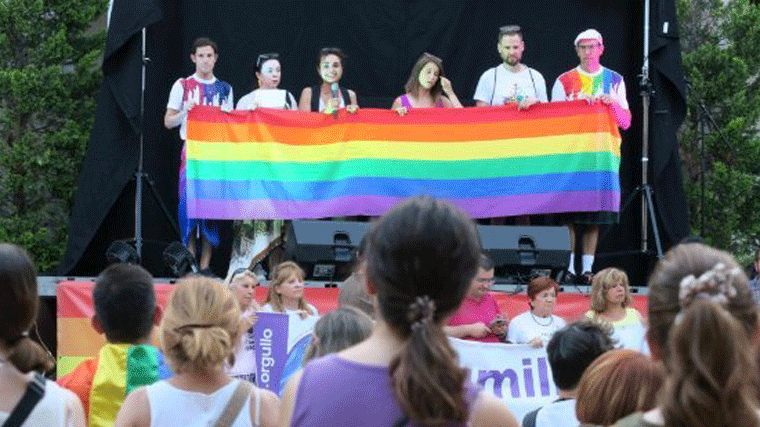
point(268, 74)
point(329, 95)
point(426, 87)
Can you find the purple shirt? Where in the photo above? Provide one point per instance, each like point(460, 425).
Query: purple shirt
point(337, 392)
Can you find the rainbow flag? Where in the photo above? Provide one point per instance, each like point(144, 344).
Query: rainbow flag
point(491, 162)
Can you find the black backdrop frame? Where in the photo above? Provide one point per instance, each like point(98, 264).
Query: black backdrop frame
point(382, 39)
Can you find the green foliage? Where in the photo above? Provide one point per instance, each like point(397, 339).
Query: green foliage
point(49, 79)
point(721, 58)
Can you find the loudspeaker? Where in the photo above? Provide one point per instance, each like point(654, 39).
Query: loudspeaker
point(324, 248)
point(526, 250)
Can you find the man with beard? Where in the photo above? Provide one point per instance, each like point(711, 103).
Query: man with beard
point(512, 81)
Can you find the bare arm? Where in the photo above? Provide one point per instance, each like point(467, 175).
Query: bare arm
point(135, 412)
point(482, 104)
point(173, 118)
point(304, 104)
point(289, 399)
point(74, 411)
point(452, 100)
point(489, 411)
point(477, 330)
point(270, 408)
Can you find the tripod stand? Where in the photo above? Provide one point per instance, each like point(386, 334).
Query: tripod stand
point(141, 176)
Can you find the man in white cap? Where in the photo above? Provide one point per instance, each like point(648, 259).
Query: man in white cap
point(592, 82)
point(511, 81)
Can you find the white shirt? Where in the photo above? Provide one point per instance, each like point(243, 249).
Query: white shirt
point(267, 308)
point(170, 406)
point(245, 355)
point(268, 98)
point(510, 85)
point(557, 414)
point(51, 410)
point(177, 99)
point(526, 326)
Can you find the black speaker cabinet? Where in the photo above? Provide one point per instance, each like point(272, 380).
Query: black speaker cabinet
point(526, 248)
point(323, 248)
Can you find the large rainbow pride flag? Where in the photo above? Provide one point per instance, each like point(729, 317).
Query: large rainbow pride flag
point(491, 162)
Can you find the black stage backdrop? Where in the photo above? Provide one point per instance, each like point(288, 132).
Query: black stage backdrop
point(382, 39)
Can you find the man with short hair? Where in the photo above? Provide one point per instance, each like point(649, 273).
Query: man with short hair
point(479, 318)
point(512, 81)
point(570, 351)
point(125, 311)
point(592, 82)
point(202, 88)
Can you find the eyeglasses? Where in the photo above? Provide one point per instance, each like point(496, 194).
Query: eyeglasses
point(588, 46)
point(264, 57)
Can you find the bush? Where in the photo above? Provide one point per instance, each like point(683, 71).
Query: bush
point(49, 79)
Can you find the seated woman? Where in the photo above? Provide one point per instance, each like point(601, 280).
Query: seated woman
point(199, 332)
point(268, 74)
point(242, 284)
point(610, 303)
point(338, 330)
point(329, 95)
point(537, 325)
point(426, 86)
point(286, 292)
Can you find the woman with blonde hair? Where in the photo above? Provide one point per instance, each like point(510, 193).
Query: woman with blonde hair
point(616, 384)
point(199, 331)
point(286, 292)
point(426, 87)
point(26, 398)
point(611, 303)
point(242, 283)
point(338, 330)
point(704, 326)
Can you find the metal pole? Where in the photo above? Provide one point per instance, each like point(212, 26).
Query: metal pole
point(139, 173)
point(645, 130)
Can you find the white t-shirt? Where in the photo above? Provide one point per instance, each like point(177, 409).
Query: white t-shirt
point(267, 308)
point(510, 86)
point(205, 92)
point(50, 410)
point(525, 326)
point(279, 99)
point(576, 81)
point(171, 406)
point(245, 356)
point(557, 414)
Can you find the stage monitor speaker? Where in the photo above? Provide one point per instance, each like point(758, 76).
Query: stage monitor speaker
point(526, 250)
point(324, 248)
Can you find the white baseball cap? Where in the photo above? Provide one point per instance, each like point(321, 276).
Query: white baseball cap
point(590, 34)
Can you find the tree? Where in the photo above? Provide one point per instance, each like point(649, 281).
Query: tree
point(721, 60)
point(49, 79)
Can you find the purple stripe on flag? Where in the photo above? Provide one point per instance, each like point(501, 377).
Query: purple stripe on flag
point(579, 201)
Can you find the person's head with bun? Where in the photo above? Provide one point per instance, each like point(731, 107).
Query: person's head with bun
point(704, 324)
point(200, 326)
point(18, 311)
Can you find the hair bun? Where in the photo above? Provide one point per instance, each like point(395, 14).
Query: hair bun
point(716, 284)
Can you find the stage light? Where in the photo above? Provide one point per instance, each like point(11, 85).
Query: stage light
point(179, 260)
point(122, 252)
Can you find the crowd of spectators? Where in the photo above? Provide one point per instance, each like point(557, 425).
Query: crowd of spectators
point(420, 280)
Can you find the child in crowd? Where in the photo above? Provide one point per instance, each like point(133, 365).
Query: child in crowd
point(125, 311)
point(199, 332)
point(286, 292)
point(338, 330)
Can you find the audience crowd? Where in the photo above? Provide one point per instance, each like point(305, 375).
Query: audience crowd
point(383, 357)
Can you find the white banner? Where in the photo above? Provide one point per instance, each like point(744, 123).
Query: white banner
point(518, 374)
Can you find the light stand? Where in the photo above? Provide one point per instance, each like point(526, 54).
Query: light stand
point(142, 176)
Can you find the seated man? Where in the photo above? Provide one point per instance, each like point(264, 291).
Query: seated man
point(125, 310)
point(478, 318)
point(570, 351)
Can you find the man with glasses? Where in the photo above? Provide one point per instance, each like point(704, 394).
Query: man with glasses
point(511, 81)
point(479, 318)
point(592, 82)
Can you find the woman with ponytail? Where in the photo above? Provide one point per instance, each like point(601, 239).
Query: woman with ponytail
point(199, 332)
point(420, 258)
point(21, 359)
point(703, 324)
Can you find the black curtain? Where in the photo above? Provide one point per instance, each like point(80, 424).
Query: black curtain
point(382, 39)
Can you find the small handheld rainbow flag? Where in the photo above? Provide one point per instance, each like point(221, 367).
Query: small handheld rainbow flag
point(491, 162)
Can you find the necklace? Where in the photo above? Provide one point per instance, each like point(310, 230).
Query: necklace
point(535, 319)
